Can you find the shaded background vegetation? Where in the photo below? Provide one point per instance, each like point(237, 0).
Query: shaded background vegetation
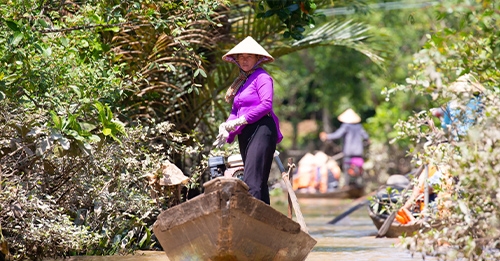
point(97, 95)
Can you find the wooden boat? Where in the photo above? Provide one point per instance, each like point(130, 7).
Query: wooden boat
point(344, 193)
point(227, 223)
point(396, 229)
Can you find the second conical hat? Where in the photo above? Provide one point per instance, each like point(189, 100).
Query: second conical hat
point(307, 159)
point(349, 116)
point(172, 175)
point(466, 83)
point(249, 46)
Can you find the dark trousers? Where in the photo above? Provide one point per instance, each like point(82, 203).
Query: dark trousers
point(257, 144)
point(346, 164)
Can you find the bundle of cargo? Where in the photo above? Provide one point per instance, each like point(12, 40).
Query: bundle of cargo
point(318, 176)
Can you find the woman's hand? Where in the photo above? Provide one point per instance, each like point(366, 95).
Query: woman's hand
point(222, 137)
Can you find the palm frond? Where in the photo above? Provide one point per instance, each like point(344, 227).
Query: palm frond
point(335, 33)
point(165, 85)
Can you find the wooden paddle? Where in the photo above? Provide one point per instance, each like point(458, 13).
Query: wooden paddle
point(387, 223)
point(355, 205)
point(291, 194)
point(337, 156)
point(290, 169)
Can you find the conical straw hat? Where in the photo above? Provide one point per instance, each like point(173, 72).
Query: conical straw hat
point(320, 158)
point(308, 159)
point(349, 116)
point(466, 83)
point(172, 175)
point(249, 46)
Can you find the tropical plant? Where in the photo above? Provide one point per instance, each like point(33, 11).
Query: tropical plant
point(294, 14)
point(73, 177)
point(467, 43)
point(168, 55)
point(57, 201)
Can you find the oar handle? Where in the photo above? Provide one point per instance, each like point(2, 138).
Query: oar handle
point(278, 162)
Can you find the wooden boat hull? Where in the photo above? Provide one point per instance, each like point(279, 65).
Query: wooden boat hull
point(351, 192)
point(396, 229)
point(227, 223)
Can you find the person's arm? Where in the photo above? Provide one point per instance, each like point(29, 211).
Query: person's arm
point(417, 191)
point(337, 134)
point(364, 134)
point(414, 195)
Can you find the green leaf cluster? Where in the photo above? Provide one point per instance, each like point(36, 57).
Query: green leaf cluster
point(466, 42)
point(294, 14)
point(94, 94)
point(66, 89)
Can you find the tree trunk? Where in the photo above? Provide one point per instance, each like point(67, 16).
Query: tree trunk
point(327, 122)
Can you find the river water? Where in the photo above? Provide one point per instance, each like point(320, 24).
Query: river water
point(351, 239)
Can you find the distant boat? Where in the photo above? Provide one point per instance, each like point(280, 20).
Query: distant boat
point(396, 229)
point(317, 177)
point(227, 223)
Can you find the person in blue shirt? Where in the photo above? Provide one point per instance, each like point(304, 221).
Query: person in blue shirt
point(353, 135)
point(460, 114)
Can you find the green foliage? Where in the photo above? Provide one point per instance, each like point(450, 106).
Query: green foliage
point(399, 35)
point(110, 126)
point(294, 14)
point(62, 89)
point(75, 203)
point(466, 42)
point(78, 81)
point(52, 74)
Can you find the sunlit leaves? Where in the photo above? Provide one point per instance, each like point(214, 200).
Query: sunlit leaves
point(12, 25)
point(294, 14)
point(55, 66)
point(110, 127)
point(464, 46)
point(200, 71)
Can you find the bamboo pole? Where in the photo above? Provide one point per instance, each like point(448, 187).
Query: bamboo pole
point(293, 198)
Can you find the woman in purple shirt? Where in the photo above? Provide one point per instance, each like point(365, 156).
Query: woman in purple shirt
point(252, 118)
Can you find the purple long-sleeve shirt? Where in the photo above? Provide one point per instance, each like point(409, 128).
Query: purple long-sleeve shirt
point(253, 101)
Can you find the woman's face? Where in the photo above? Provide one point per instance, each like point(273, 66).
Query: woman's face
point(246, 61)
